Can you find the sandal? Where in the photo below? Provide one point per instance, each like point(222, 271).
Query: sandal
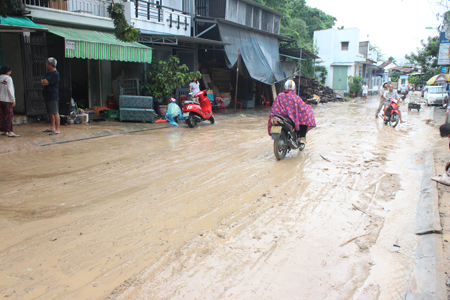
point(13, 135)
point(53, 133)
point(47, 130)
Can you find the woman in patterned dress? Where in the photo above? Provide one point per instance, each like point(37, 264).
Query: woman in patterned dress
point(289, 105)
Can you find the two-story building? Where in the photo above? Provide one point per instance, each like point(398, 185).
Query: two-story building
point(344, 55)
point(79, 34)
point(222, 31)
point(206, 35)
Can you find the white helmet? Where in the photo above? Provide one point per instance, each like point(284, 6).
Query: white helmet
point(289, 85)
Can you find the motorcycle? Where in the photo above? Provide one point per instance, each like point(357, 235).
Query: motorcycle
point(392, 116)
point(195, 112)
point(284, 136)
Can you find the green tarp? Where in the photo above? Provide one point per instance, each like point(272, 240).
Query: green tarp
point(22, 22)
point(92, 44)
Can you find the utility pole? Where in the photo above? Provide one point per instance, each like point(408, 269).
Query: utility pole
point(237, 77)
point(299, 72)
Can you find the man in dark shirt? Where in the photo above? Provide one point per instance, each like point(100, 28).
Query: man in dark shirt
point(50, 82)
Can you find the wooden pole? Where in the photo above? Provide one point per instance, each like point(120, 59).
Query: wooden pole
point(237, 77)
point(300, 72)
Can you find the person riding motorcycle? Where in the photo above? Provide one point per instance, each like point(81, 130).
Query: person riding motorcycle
point(289, 105)
point(392, 94)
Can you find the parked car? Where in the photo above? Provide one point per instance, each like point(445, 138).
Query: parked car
point(435, 95)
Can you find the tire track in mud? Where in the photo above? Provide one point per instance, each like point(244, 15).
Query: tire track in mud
point(294, 211)
point(208, 213)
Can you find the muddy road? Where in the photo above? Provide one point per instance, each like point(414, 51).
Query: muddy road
point(208, 213)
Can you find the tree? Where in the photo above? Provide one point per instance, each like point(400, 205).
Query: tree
point(10, 7)
point(323, 72)
point(355, 84)
point(300, 21)
point(395, 75)
point(391, 59)
point(166, 76)
point(426, 57)
point(377, 49)
point(122, 30)
point(414, 79)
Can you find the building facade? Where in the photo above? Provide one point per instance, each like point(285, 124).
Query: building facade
point(344, 55)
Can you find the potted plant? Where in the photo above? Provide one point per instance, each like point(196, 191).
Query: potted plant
point(355, 85)
point(166, 76)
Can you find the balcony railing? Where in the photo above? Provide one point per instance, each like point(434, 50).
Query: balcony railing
point(159, 13)
point(91, 7)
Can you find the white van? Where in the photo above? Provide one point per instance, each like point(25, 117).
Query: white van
point(434, 95)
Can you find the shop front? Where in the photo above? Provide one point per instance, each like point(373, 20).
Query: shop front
point(89, 63)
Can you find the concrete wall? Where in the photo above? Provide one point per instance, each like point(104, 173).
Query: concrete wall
point(323, 40)
point(12, 55)
point(330, 51)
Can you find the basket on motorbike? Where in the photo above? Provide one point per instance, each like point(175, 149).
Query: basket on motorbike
point(414, 105)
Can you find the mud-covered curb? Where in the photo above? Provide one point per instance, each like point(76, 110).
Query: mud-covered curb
point(428, 278)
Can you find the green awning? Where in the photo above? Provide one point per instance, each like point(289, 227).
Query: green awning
point(11, 23)
point(92, 44)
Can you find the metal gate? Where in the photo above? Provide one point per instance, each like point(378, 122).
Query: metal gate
point(34, 58)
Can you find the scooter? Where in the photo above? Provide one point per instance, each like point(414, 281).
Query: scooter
point(392, 116)
point(285, 136)
point(194, 112)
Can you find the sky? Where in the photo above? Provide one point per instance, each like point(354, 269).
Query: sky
point(395, 26)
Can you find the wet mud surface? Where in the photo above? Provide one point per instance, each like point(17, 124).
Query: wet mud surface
point(208, 213)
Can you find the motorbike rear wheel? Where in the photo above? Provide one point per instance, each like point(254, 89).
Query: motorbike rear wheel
point(211, 119)
point(191, 120)
point(393, 121)
point(280, 146)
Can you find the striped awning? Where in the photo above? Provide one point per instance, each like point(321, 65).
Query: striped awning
point(102, 45)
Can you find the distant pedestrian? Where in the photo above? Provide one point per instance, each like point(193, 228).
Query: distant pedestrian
point(365, 89)
point(194, 86)
point(7, 101)
point(384, 88)
point(51, 95)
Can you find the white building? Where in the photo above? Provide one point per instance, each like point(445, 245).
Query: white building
point(344, 55)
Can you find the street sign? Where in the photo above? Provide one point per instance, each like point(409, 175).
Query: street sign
point(444, 69)
point(444, 48)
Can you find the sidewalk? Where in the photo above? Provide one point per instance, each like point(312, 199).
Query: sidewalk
point(32, 135)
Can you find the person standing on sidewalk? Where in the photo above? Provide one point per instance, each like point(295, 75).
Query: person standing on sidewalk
point(382, 99)
point(7, 101)
point(50, 82)
point(365, 89)
point(194, 86)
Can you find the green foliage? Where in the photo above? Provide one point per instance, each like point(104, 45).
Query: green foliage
point(166, 76)
point(377, 49)
point(300, 21)
point(10, 7)
point(323, 74)
point(395, 75)
point(427, 57)
point(355, 84)
point(414, 79)
point(391, 59)
point(123, 31)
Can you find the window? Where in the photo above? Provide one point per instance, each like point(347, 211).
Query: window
point(344, 46)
